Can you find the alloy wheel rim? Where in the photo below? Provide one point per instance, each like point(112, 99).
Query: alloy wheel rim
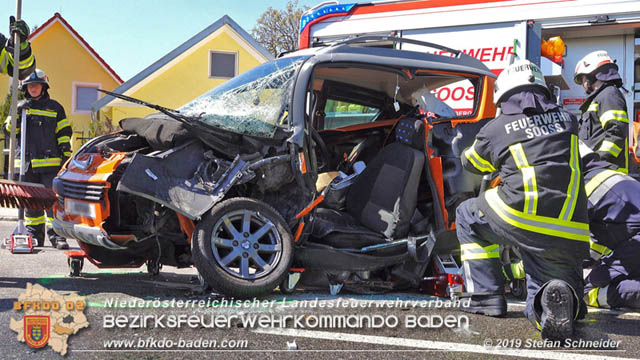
point(246, 244)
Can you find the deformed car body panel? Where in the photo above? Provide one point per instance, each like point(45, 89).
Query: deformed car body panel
point(178, 178)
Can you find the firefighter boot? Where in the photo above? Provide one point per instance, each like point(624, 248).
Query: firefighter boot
point(558, 311)
point(59, 242)
point(37, 234)
point(37, 240)
point(490, 305)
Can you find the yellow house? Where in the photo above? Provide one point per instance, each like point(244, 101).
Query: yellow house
point(75, 71)
point(211, 57)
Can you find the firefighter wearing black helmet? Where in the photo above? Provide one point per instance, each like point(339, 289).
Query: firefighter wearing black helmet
point(604, 125)
point(48, 146)
point(540, 205)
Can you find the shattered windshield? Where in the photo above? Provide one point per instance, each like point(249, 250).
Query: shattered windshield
point(252, 103)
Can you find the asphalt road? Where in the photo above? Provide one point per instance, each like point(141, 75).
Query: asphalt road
point(349, 336)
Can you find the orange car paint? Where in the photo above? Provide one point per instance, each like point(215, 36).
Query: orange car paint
point(634, 148)
point(299, 231)
point(371, 125)
point(187, 225)
point(97, 172)
point(310, 207)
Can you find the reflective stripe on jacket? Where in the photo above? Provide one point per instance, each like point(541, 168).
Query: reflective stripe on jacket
point(48, 134)
point(613, 203)
point(26, 64)
point(542, 189)
point(604, 126)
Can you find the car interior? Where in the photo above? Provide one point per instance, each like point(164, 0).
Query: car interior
point(366, 113)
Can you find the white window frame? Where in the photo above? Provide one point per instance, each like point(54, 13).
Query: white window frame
point(74, 92)
point(235, 71)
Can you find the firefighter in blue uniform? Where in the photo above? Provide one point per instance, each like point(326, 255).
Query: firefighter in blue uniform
point(540, 205)
point(614, 222)
point(48, 146)
point(604, 125)
point(614, 213)
point(26, 63)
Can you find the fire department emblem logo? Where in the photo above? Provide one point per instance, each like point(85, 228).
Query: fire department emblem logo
point(36, 330)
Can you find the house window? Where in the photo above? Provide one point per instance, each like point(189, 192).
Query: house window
point(223, 64)
point(84, 95)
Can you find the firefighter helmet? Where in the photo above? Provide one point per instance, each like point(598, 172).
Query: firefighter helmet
point(518, 75)
point(589, 64)
point(37, 76)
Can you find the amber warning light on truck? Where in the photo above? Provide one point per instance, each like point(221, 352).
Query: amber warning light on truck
point(553, 49)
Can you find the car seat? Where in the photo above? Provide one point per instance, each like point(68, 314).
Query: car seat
point(382, 201)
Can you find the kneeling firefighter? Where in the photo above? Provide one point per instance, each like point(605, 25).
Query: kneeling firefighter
point(540, 205)
point(614, 213)
point(48, 146)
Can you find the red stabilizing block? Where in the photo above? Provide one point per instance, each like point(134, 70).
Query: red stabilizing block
point(75, 254)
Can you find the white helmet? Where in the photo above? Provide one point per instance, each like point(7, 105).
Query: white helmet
point(590, 63)
point(36, 77)
point(519, 74)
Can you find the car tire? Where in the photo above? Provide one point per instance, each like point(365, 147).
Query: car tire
point(243, 248)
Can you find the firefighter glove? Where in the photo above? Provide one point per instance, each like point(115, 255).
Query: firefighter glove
point(20, 27)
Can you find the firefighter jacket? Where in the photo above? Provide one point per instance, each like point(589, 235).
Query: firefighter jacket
point(48, 135)
point(541, 195)
point(613, 212)
point(27, 62)
point(604, 125)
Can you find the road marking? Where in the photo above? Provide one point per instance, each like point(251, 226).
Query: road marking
point(431, 345)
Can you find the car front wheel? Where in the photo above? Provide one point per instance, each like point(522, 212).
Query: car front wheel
point(243, 248)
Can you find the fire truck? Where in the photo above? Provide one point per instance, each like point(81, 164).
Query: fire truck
point(496, 32)
point(493, 30)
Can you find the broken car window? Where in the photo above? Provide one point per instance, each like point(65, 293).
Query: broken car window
point(252, 103)
point(342, 113)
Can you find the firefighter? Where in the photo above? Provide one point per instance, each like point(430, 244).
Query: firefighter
point(540, 205)
point(27, 62)
point(48, 146)
point(614, 222)
point(614, 213)
point(604, 125)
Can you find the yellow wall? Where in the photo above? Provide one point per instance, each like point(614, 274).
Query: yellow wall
point(5, 84)
point(65, 61)
point(184, 79)
point(116, 113)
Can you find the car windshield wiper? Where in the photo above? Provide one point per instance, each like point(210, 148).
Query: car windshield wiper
point(174, 114)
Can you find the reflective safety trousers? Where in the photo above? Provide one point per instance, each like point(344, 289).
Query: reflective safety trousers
point(615, 280)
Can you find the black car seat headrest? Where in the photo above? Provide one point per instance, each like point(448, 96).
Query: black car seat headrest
point(410, 131)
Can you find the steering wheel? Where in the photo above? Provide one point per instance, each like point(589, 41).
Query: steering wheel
point(361, 147)
point(323, 154)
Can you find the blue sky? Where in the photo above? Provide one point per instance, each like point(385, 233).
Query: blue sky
point(130, 35)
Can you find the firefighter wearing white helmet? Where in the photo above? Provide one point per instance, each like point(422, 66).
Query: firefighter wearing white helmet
point(522, 73)
point(48, 145)
point(540, 206)
point(604, 124)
